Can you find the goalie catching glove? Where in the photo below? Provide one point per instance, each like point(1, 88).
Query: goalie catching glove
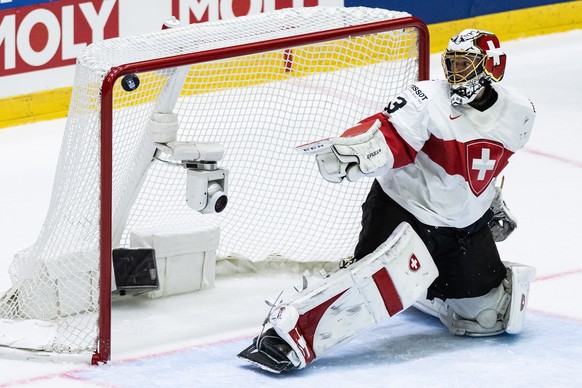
point(503, 222)
point(360, 151)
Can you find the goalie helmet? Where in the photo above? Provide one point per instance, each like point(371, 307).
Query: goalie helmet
point(473, 59)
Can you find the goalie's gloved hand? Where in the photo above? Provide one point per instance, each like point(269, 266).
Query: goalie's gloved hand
point(503, 222)
point(361, 151)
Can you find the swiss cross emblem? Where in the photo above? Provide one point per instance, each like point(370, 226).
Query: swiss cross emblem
point(413, 263)
point(483, 160)
point(496, 58)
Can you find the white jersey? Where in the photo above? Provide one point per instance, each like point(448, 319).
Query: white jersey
point(446, 158)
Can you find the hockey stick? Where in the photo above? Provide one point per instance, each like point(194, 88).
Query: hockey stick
point(315, 147)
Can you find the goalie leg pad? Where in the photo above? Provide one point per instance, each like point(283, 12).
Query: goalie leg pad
point(357, 298)
point(517, 284)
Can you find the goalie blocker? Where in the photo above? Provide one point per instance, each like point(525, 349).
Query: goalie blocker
point(389, 280)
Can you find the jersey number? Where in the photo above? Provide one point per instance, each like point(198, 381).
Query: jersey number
point(398, 103)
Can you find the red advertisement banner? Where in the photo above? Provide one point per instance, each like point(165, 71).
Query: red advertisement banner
point(52, 34)
point(196, 11)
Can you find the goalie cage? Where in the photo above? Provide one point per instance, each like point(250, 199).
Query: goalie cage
point(258, 85)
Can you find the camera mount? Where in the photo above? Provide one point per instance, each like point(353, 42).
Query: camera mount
point(206, 183)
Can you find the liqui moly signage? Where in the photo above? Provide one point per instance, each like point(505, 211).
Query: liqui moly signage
point(48, 34)
point(37, 35)
point(195, 11)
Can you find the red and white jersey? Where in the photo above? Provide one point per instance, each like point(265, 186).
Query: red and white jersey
point(446, 158)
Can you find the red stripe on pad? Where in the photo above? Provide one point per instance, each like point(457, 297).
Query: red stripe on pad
point(388, 291)
point(307, 325)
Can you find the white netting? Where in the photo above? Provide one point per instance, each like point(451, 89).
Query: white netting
point(259, 107)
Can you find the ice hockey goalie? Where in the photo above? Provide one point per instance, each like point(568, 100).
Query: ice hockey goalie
point(431, 220)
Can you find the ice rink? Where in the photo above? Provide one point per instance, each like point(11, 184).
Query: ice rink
point(192, 340)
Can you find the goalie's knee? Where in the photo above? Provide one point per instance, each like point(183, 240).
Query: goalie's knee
point(500, 310)
point(479, 316)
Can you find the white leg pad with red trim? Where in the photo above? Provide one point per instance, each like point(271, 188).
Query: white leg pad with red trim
point(518, 278)
point(356, 298)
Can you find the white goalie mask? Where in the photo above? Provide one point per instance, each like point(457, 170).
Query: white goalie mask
point(472, 59)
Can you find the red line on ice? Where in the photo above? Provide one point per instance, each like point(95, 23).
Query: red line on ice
point(562, 159)
point(558, 275)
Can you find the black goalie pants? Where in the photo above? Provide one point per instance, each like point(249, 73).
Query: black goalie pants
point(467, 259)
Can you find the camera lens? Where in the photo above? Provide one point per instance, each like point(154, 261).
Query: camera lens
point(217, 200)
point(221, 203)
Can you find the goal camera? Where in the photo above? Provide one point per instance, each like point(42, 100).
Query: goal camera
point(206, 183)
point(206, 187)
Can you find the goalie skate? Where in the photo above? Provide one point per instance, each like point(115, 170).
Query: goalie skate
point(269, 352)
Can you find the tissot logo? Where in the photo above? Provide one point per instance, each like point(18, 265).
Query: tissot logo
point(419, 93)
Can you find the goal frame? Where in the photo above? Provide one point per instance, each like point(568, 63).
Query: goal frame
point(103, 350)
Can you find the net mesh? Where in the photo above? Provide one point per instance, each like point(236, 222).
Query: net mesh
point(258, 107)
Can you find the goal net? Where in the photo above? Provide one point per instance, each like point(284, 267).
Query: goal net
point(258, 86)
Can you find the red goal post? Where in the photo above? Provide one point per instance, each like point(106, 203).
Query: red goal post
point(322, 69)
